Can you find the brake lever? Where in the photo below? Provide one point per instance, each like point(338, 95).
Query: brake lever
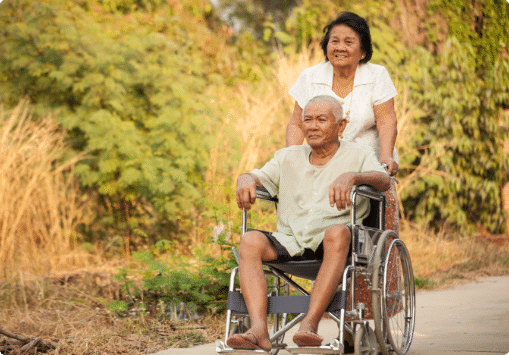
point(387, 171)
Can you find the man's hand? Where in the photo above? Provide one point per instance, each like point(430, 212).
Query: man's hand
point(340, 189)
point(246, 191)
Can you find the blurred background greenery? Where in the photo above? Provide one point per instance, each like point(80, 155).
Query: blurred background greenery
point(162, 103)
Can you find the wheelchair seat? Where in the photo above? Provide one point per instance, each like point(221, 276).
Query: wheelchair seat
point(305, 269)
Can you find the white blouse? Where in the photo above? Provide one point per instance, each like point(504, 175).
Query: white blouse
point(372, 86)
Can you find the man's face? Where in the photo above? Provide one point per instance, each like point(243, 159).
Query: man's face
point(319, 125)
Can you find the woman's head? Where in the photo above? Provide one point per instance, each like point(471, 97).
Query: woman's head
point(357, 24)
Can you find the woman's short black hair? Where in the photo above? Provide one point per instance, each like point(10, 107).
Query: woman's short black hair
point(356, 23)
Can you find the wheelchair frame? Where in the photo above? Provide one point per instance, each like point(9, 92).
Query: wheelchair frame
point(378, 255)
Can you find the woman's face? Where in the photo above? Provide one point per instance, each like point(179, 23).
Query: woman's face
point(344, 47)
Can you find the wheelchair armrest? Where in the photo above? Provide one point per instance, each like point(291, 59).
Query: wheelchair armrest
point(368, 188)
point(369, 192)
point(263, 194)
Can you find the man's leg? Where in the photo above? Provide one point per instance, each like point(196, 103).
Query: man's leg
point(255, 248)
point(336, 246)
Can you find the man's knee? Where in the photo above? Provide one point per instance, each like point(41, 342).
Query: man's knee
point(337, 237)
point(253, 243)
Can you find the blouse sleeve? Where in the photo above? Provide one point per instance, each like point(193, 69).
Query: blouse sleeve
point(300, 90)
point(384, 88)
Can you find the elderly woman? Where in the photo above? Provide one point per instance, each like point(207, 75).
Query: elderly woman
point(365, 90)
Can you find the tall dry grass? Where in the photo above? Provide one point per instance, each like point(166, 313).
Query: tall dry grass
point(41, 204)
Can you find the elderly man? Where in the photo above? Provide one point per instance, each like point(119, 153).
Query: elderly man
point(313, 183)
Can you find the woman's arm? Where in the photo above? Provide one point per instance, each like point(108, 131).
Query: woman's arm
point(387, 125)
point(294, 134)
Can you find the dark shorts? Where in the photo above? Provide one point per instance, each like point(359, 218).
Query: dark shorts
point(283, 255)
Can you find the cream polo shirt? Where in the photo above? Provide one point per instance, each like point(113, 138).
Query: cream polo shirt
point(304, 211)
point(372, 86)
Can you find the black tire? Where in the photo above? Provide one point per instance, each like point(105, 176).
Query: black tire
point(399, 297)
point(393, 295)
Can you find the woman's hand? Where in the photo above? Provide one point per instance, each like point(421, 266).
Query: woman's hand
point(392, 166)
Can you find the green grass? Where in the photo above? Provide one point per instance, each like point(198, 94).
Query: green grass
point(424, 283)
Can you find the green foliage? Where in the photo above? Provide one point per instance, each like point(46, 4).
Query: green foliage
point(133, 81)
point(463, 90)
point(462, 165)
point(481, 24)
point(174, 291)
point(423, 282)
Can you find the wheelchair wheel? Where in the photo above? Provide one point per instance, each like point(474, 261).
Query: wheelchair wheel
point(393, 295)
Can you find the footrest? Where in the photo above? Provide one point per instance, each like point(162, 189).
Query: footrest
point(334, 347)
point(222, 348)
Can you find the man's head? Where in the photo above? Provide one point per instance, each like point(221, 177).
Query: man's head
point(322, 121)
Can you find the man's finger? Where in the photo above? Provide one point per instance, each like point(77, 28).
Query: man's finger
point(239, 198)
point(344, 196)
point(339, 201)
point(244, 198)
point(347, 198)
point(252, 193)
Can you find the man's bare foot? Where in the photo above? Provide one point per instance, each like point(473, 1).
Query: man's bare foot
point(250, 340)
point(307, 326)
point(307, 338)
point(307, 335)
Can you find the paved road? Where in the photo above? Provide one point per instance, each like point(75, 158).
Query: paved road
point(470, 319)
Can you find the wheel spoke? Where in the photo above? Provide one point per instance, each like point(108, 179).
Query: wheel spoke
point(397, 301)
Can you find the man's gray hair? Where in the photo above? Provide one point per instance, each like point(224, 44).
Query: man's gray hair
point(337, 108)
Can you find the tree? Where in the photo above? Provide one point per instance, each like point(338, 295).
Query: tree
point(132, 81)
point(262, 18)
point(462, 164)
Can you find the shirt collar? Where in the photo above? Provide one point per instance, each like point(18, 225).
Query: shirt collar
point(362, 75)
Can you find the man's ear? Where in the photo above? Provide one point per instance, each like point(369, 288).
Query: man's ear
point(342, 125)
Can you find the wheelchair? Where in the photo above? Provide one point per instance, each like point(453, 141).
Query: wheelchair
point(378, 257)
